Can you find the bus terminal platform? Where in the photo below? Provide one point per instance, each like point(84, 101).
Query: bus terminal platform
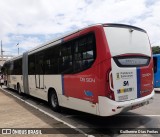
point(15, 113)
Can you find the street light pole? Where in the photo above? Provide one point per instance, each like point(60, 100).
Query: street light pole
point(1, 50)
point(18, 47)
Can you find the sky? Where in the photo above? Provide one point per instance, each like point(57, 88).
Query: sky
point(30, 23)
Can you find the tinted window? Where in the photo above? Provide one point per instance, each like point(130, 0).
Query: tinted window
point(70, 57)
point(65, 59)
point(39, 61)
point(16, 67)
point(155, 64)
point(31, 64)
point(51, 60)
point(84, 52)
point(6, 68)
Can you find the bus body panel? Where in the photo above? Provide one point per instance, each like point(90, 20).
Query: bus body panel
point(131, 62)
point(156, 60)
point(109, 107)
point(84, 85)
point(132, 83)
point(36, 91)
point(124, 82)
point(79, 104)
point(12, 81)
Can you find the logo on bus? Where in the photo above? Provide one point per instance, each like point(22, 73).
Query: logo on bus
point(125, 83)
point(118, 76)
point(124, 75)
point(124, 90)
point(88, 93)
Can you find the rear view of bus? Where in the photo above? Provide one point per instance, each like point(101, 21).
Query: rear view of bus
point(131, 76)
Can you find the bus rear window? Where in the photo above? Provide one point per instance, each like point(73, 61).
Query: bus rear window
point(127, 40)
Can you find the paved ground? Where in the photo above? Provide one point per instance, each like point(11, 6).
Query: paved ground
point(17, 114)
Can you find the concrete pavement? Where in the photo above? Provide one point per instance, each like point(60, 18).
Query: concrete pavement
point(17, 114)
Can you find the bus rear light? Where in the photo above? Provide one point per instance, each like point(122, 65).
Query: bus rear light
point(111, 80)
point(110, 93)
point(113, 110)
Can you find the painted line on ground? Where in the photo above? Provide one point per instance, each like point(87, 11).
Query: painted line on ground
point(138, 115)
point(48, 114)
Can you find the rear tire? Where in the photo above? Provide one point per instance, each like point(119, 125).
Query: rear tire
point(53, 101)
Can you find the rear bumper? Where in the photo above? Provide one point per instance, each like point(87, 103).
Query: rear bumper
point(156, 89)
point(109, 107)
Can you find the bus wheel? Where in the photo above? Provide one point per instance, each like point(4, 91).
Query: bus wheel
point(53, 101)
point(19, 89)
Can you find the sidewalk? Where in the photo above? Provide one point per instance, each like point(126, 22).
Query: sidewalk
point(17, 114)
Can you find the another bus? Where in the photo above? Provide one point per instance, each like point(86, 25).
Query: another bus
point(156, 61)
point(102, 69)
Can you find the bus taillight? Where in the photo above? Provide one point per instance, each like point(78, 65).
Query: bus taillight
point(111, 95)
point(110, 91)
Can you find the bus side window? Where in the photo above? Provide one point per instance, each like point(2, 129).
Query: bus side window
point(31, 64)
point(155, 64)
point(65, 58)
point(84, 52)
point(39, 60)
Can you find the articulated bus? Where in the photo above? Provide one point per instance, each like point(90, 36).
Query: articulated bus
point(156, 62)
point(102, 69)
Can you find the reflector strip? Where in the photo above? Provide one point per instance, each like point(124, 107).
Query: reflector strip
point(62, 78)
point(138, 83)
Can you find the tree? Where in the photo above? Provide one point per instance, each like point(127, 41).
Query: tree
point(156, 50)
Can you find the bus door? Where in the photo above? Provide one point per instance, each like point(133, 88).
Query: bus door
point(39, 73)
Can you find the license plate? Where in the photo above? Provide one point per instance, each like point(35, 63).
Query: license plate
point(138, 105)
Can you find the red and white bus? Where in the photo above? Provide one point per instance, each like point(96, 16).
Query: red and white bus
point(102, 69)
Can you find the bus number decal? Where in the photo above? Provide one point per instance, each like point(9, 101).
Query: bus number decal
point(89, 80)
